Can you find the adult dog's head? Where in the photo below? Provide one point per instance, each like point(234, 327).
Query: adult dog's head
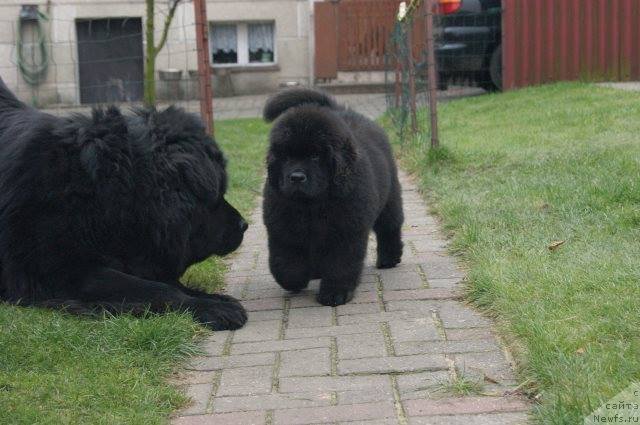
point(311, 152)
point(184, 181)
point(153, 190)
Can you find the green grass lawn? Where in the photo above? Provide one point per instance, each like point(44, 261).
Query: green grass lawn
point(56, 368)
point(524, 169)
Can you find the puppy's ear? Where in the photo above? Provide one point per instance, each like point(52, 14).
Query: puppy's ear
point(273, 170)
point(344, 155)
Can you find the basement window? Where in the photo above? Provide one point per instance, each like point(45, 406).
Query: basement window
point(242, 43)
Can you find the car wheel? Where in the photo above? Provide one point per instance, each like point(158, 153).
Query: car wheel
point(495, 68)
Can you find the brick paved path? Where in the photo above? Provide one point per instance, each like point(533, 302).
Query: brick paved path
point(388, 357)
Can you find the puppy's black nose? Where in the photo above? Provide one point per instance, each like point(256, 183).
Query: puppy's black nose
point(243, 225)
point(298, 177)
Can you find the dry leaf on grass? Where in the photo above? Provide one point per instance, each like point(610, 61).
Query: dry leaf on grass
point(555, 245)
point(490, 379)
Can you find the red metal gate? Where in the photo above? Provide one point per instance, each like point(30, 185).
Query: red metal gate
point(352, 35)
point(551, 40)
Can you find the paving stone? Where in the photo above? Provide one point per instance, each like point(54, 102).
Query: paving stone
point(228, 362)
point(379, 317)
point(236, 418)
point(262, 282)
point(429, 246)
point(406, 280)
point(445, 283)
point(310, 317)
point(364, 396)
point(280, 345)
point(334, 383)
point(482, 419)
point(235, 281)
point(312, 362)
point(214, 345)
point(420, 294)
point(235, 291)
point(465, 334)
point(423, 307)
point(199, 395)
point(401, 268)
point(368, 286)
point(261, 316)
point(245, 381)
point(304, 299)
point(364, 297)
point(491, 364)
point(445, 347)
point(265, 294)
point(421, 362)
point(264, 304)
point(258, 331)
point(270, 401)
point(358, 346)
point(331, 330)
point(241, 265)
point(369, 276)
point(422, 385)
point(442, 270)
point(415, 330)
point(387, 421)
point(457, 315)
point(190, 377)
point(323, 415)
point(347, 309)
point(464, 405)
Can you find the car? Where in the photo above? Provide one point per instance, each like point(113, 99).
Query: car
point(468, 42)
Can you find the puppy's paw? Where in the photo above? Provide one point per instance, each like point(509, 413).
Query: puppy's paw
point(294, 287)
point(387, 263)
point(219, 315)
point(335, 298)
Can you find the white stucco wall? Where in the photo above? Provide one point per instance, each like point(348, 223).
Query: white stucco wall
point(292, 26)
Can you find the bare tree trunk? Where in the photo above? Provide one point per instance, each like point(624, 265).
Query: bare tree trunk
point(152, 49)
point(150, 59)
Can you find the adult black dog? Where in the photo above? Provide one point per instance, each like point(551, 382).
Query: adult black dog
point(107, 211)
point(331, 179)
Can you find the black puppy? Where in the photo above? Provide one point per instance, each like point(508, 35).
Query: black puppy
point(331, 179)
point(107, 211)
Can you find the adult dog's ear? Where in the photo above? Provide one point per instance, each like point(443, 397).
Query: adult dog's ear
point(105, 153)
point(344, 155)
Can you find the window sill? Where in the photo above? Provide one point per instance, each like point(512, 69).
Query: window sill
point(234, 68)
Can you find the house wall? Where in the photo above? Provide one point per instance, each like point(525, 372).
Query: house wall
point(61, 85)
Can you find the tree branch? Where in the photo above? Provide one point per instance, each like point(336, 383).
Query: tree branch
point(167, 24)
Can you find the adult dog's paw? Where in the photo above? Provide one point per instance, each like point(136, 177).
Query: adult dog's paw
point(222, 314)
point(334, 298)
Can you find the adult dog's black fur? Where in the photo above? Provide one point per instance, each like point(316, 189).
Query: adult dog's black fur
point(107, 211)
point(331, 179)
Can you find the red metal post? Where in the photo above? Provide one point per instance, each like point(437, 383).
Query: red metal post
point(431, 73)
point(204, 66)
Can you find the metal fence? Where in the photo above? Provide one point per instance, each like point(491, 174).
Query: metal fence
point(459, 49)
point(590, 40)
point(507, 44)
point(67, 65)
